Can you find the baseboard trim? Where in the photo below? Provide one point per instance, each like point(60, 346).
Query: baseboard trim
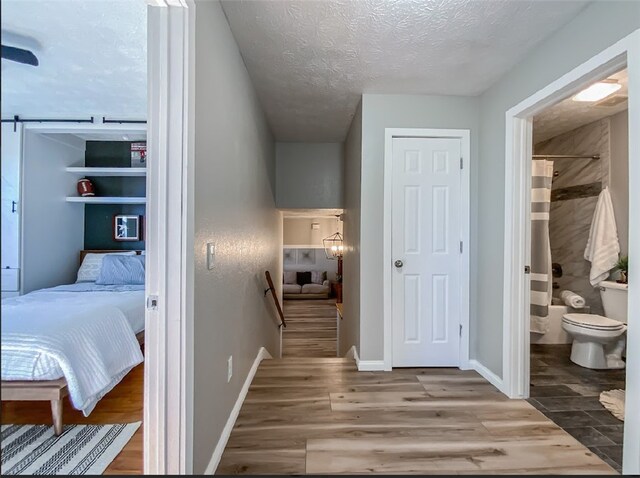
point(352, 353)
point(466, 365)
point(487, 374)
point(371, 365)
point(233, 416)
point(364, 365)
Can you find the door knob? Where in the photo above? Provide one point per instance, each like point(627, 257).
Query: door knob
point(398, 263)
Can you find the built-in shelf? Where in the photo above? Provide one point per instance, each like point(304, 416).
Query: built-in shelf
point(107, 200)
point(107, 171)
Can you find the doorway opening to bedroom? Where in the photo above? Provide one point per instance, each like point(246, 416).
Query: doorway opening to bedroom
point(74, 194)
point(313, 247)
point(579, 257)
point(79, 301)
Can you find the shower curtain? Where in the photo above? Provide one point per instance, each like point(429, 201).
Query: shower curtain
point(541, 277)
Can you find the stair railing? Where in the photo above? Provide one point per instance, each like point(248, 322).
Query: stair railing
point(275, 299)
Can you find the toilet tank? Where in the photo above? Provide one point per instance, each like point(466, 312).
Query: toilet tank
point(614, 300)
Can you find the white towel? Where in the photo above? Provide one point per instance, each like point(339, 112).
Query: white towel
point(613, 400)
point(602, 247)
point(572, 299)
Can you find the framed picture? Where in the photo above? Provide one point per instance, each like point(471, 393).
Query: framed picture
point(126, 227)
point(139, 155)
point(306, 256)
point(289, 256)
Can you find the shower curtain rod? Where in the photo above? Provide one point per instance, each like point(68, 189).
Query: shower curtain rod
point(566, 156)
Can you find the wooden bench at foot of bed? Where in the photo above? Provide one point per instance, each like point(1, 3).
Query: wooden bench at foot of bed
point(52, 390)
point(40, 390)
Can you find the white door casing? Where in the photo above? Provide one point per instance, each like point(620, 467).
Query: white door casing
point(426, 251)
point(168, 383)
point(515, 355)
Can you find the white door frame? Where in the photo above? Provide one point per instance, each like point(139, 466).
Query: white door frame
point(168, 381)
point(517, 234)
point(464, 135)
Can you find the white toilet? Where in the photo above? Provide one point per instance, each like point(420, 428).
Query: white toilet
point(598, 342)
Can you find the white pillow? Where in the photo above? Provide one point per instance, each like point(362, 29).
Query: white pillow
point(318, 277)
point(92, 263)
point(289, 277)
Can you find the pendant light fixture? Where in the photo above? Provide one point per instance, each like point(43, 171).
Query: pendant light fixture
point(333, 245)
point(334, 248)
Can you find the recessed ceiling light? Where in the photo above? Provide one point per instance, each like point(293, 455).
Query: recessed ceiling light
point(597, 91)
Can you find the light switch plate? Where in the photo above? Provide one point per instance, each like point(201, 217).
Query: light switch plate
point(211, 255)
point(229, 368)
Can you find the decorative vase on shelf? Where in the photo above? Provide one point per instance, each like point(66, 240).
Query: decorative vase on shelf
point(85, 188)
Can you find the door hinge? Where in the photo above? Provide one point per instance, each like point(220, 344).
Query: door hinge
point(460, 330)
point(152, 302)
point(527, 269)
point(461, 163)
point(461, 247)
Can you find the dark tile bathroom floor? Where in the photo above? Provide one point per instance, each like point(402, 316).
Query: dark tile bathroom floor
point(569, 395)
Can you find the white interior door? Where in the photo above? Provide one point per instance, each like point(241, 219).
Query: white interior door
point(426, 250)
point(11, 142)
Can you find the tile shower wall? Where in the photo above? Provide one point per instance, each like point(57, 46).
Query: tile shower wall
point(574, 194)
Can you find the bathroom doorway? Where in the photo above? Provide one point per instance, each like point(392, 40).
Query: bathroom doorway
point(518, 212)
point(579, 252)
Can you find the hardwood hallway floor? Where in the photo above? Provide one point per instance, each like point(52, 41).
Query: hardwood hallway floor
point(311, 328)
point(322, 416)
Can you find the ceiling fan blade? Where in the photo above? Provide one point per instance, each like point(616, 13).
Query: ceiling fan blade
point(20, 55)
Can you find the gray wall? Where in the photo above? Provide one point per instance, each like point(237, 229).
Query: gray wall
point(574, 195)
point(232, 140)
point(398, 111)
point(570, 46)
point(309, 175)
point(52, 229)
point(619, 176)
point(350, 324)
point(297, 231)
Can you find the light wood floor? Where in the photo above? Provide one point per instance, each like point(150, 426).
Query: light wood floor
point(322, 416)
point(124, 404)
point(311, 328)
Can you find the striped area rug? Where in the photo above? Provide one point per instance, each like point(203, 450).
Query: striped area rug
point(80, 450)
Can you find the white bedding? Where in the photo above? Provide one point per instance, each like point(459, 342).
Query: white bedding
point(83, 332)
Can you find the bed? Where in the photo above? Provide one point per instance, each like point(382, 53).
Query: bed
point(78, 340)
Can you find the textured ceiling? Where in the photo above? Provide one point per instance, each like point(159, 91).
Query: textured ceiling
point(568, 114)
point(92, 53)
point(311, 60)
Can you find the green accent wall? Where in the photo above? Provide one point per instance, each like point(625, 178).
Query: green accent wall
point(98, 218)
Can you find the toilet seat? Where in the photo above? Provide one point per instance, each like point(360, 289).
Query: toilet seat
point(593, 322)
